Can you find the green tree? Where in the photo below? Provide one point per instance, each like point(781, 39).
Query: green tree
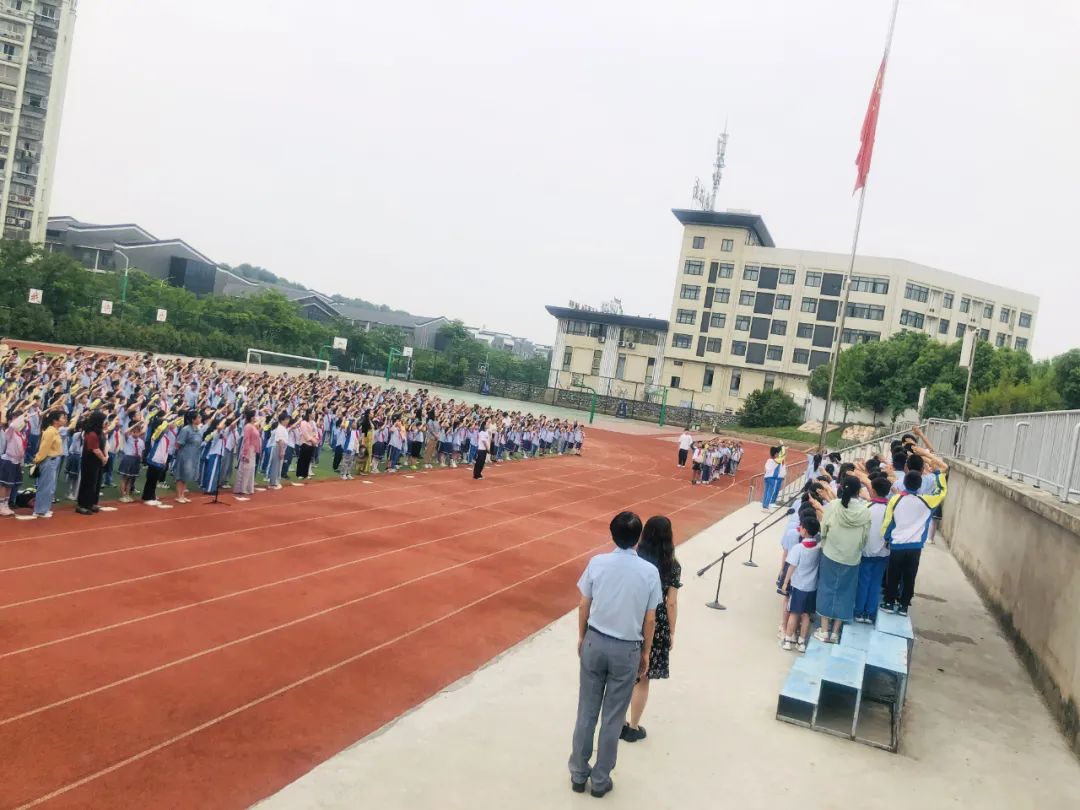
point(942, 402)
point(773, 408)
point(1067, 377)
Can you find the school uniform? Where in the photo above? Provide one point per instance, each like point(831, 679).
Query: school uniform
point(774, 479)
point(906, 527)
point(875, 561)
point(806, 557)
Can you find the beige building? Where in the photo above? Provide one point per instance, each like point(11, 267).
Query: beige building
point(747, 315)
point(35, 48)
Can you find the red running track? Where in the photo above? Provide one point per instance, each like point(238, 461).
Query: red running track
point(209, 655)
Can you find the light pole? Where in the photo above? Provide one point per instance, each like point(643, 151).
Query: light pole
point(124, 284)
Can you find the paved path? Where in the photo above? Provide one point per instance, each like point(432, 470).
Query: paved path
point(976, 733)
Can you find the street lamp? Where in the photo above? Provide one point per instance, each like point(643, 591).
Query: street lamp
point(124, 285)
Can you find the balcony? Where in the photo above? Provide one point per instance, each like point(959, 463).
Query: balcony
point(21, 199)
point(11, 36)
point(52, 23)
point(29, 129)
point(25, 177)
point(40, 65)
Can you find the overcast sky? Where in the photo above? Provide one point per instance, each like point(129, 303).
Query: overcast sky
point(482, 158)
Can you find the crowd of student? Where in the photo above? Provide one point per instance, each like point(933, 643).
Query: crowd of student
point(711, 459)
point(853, 545)
point(87, 419)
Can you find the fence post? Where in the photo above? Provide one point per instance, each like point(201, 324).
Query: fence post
point(715, 603)
point(750, 499)
point(753, 538)
point(1067, 485)
point(982, 442)
point(1016, 444)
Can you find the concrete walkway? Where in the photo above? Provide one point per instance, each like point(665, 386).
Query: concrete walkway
point(976, 734)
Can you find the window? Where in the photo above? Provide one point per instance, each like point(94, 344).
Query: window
point(943, 327)
point(676, 382)
point(686, 316)
point(680, 341)
point(722, 295)
point(742, 323)
point(726, 270)
point(746, 299)
point(859, 336)
point(1021, 344)
point(774, 353)
point(917, 292)
point(738, 348)
point(786, 277)
point(567, 358)
point(879, 286)
point(1025, 320)
point(782, 302)
point(750, 273)
point(694, 267)
point(999, 341)
point(576, 327)
point(960, 329)
point(727, 245)
point(965, 304)
point(946, 301)
point(804, 330)
point(713, 345)
point(597, 330)
point(912, 319)
point(870, 312)
point(699, 242)
point(597, 356)
point(736, 382)
point(809, 305)
point(690, 292)
point(801, 356)
point(988, 311)
point(813, 278)
point(770, 382)
point(984, 334)
point(1005, 315)
point(620, 367)
point(9, 50)
point(718, 320)
point(778, 328)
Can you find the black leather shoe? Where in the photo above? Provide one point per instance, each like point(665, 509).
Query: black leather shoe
point(599, 794)
point(577, 787)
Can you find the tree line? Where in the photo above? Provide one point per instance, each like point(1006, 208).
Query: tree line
point(884, 377)
point(215, 326)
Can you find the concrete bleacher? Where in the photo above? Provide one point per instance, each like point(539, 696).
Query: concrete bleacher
point(855, 689)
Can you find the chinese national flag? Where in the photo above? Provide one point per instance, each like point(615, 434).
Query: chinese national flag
point(869, 129)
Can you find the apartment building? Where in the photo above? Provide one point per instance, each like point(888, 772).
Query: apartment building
point(35, 48)
point(747, 315)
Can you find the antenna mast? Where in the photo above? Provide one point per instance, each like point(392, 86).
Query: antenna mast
point(702, 195)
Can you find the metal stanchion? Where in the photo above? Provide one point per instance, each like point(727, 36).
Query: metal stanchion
point(715, 603)
point(753, 538)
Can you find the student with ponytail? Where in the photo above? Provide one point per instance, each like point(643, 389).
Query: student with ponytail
point(844, 531)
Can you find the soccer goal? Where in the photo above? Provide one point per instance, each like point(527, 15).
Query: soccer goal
point(259, 358)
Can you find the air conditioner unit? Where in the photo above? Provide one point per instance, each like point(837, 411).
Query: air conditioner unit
point(601, 338)
point(630, 345)
point(622, 344)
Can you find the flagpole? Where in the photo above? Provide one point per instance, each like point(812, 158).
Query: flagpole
point(851, 264)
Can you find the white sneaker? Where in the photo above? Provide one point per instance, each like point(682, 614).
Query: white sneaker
point(240, 498)
point(127, 499)
point(786, 643)
point(834, 638)
point(821, 636)
point(46, 515)
point(801, 646)
point(276, 486)
point(152, 503)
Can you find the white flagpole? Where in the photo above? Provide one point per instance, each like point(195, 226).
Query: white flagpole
point(854, 249)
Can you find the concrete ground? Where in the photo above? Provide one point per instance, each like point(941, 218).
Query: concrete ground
point(975, 734)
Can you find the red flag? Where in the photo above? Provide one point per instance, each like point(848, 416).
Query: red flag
point(869, 129)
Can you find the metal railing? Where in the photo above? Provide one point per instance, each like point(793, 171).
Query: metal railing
point(1041, 449)
point(747, 537)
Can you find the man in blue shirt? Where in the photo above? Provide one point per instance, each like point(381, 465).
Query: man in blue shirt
point(616, 620)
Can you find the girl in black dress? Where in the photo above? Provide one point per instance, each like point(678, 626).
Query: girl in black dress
point(658, 547)
point(92, 463)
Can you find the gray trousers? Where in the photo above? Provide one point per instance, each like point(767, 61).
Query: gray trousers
point(609, 669)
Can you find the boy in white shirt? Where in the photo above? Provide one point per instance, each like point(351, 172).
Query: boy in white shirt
point(801, 583)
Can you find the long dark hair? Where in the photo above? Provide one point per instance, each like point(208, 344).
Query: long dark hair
point(94, 423)
point(849, 488)
point(657, 545)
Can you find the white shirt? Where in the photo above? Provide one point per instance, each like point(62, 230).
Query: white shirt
point(685, 441)
point(280, 435)
point(483, 440)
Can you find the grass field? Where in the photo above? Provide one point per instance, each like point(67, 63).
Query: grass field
point(793, 434)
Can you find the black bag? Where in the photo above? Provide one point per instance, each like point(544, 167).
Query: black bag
point(25, 498)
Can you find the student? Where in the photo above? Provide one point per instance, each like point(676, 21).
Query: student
point(159, 451)
point(47, 460)
point(774, 478)
point(801, 582)
point(736, 457)
point(696, 461)
point(307, 437)
point(188, 445)
point(73, 458)
point(131, 459)
point(483, 444)
point(906, 527)
point(351, 433)
point(843, 536)
point(686, 441)
point(11, 462)
point(250, 441)
point(813, 465)
point(707, 458)
point(788, 540)
point(279, 440)
point(875, 556)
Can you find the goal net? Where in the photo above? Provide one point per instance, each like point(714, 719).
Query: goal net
point(264, 358)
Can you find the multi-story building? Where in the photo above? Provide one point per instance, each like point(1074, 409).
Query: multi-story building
point(747, 315)
point(35, 48)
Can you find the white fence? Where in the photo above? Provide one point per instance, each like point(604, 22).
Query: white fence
point(1040, 449)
